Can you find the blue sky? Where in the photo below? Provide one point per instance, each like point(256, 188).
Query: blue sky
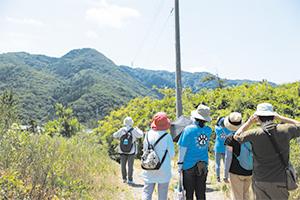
point(238, 39)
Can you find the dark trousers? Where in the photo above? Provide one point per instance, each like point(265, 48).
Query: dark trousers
point(124, 159)
point(193, 183)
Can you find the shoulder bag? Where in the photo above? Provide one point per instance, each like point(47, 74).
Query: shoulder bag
point(289, 169)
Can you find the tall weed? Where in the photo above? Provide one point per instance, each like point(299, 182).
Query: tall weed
point(42, 167)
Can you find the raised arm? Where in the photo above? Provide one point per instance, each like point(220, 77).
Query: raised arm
point(285, 119)
point(253, 119)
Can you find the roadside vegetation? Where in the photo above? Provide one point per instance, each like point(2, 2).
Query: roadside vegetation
point(63, 162)
point(243, 99)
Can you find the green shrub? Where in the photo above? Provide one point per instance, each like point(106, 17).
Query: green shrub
point(44, 167)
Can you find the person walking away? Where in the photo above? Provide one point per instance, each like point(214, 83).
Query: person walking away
point(269, 178)
point(240, 178)
point(127, 147)
point(159, 125)
point(193, 153)
point(219, 148)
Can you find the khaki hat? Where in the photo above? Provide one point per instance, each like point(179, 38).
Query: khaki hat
point(202, 112)
point(234, 121)
point(265, 109)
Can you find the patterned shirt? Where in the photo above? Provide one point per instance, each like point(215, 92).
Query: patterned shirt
point(195, 139)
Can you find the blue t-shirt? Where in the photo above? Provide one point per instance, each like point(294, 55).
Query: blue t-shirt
point(221, 134)
point(195, 139)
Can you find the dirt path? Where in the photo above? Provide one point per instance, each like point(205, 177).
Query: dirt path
point(213, 188)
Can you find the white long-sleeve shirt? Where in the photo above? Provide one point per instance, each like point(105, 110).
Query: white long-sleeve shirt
point(136, 133)
point(164, 174)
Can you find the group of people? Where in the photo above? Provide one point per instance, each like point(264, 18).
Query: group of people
point(232, 135)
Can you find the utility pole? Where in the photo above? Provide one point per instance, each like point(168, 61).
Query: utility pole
point(178, 63)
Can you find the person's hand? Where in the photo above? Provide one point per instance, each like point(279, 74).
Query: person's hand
point(253, 119)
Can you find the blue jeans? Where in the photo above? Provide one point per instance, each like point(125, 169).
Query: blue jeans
point(218, 157)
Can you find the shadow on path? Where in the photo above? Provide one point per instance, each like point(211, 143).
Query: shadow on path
point(211, 190)
point(137, 185)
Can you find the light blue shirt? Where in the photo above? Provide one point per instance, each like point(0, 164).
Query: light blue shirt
point(195, 139)
point(221, 134)
point(164, 174)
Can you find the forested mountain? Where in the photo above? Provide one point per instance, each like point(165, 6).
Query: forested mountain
point(83, 80)
point(162, 79)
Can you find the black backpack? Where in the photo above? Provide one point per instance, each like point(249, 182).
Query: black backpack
point(126, 141)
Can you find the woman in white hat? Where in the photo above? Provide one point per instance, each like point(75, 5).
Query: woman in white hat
point(240, 178)
point(193, 153)
point(128, 156)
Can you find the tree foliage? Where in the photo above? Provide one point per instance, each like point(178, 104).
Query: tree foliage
point(83, 80)
point(66, 126)
point(220, 82)
point(8, 109)
point(243, 99)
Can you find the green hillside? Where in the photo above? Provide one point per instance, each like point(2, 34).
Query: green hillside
point(83, 80)
point(162, 79)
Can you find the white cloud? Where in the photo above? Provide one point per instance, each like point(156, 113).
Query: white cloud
point(110, 15)
point(197, 69)
point(29, 21)
point(91, 34)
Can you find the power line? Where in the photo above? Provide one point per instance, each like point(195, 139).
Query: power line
point(157, 39)
point(139, 45)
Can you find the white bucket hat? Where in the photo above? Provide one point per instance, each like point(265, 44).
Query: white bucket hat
point(202, 112)
point(265, 109)
point(128, 121)
point(234, 121)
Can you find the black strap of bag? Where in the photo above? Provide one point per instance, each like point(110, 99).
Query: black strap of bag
point(279, 153)
point(289, 169)
point(129, 131)
point(152, 146)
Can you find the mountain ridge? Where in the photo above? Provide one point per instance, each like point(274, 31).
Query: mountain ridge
point(84, 80)
point(163, 78)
